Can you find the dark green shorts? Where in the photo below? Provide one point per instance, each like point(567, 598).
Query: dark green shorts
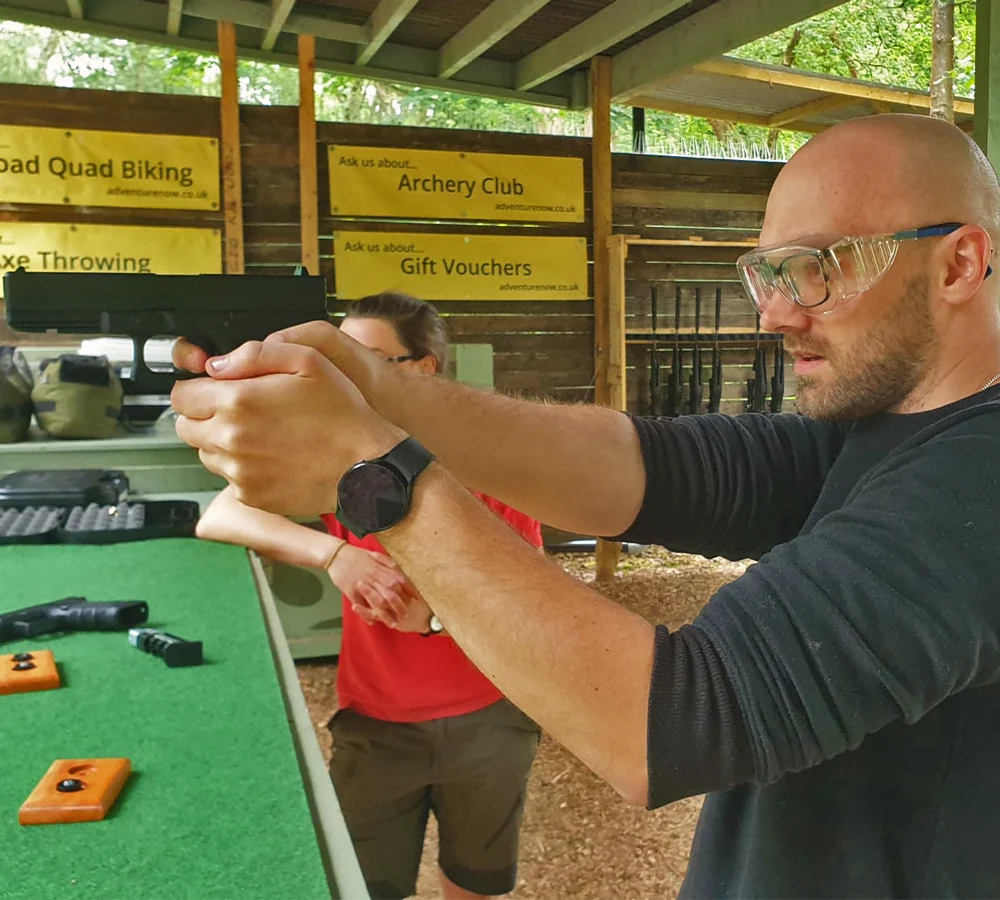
point(470, 770)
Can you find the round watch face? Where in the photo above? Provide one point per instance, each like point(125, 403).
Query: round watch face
point(372, 496)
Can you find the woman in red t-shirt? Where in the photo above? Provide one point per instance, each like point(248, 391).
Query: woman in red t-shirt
point(419, 728)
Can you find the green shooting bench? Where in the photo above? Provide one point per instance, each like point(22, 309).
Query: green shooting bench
point(229, 796)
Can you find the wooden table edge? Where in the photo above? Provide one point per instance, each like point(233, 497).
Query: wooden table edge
point(342, 868)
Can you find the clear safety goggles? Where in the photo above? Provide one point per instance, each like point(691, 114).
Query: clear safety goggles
point(817, 279)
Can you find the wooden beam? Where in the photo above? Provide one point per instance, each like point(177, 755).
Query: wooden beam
point(175, 9)
point(718, 28)
point(617, 252)
point(616, 22)
point(691, 200)
point(600, 102)
point(383, 21)
point(260, 15)
point(232, 176)
point(686, 242)
point(308, 172)
point(665, 104)
point(794, 78)
point(75, 8)
point(609, 552)
point(280, 10)
point(495, 22)
point(604, 352)
point(807, 110)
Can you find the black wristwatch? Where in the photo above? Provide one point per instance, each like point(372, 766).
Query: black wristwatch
point(375, 494)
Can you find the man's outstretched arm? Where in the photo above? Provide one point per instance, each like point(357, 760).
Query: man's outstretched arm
point(577, 663)
point(573, 467)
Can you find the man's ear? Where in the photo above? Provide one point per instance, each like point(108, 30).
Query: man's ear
point(966, 259)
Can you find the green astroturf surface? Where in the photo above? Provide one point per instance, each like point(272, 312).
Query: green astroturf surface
point(215, 807)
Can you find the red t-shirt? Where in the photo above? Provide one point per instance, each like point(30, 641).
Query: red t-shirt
point(396, 677)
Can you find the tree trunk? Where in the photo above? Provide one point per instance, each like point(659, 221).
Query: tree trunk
point(723, 130)
point(943, 61)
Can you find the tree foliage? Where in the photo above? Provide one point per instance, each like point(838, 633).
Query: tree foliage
point(885, 41)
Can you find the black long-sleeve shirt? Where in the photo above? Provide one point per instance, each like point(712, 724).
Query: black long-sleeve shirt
point(839, 701)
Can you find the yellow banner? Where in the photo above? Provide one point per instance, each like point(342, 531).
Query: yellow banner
point(108, 168)
point(109, 248)
point(460, 267)
point(440, 184)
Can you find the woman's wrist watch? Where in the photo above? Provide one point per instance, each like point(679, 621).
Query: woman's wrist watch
point(434, 626)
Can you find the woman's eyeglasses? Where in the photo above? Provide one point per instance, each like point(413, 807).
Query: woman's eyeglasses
point(399, 359)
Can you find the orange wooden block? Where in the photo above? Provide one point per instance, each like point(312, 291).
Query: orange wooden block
point(93, 786)
point(30, 671)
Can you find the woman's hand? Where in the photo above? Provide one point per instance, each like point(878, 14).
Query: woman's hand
point(380, 591)
point(373, 580)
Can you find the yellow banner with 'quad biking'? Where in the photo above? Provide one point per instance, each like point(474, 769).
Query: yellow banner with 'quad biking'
point(460, 267)
point(443, 184)
point(42, 247)
point(108, 168)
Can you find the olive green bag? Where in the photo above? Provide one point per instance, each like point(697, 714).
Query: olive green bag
point(15, 396)
point(77, 397)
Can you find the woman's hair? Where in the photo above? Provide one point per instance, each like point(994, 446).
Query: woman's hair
point(419, 327)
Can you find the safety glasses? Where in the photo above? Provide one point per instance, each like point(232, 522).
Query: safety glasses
point(817, 279)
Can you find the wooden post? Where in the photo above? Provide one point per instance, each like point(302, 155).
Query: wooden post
point(617, 252)
point(232, 175)
point(600, 157)
point(600, 104)
point(308, 173)
point(987, 114)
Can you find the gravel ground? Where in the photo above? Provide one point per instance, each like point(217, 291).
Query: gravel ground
point(580, 840)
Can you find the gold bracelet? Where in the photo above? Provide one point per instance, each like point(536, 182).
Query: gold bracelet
point(333, 556)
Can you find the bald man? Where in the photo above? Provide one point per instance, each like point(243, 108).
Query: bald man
point(839, 702)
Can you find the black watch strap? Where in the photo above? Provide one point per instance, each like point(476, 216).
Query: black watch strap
point(409, 458)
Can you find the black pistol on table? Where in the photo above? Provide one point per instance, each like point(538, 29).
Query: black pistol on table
point(216, 312)
point(72, 614)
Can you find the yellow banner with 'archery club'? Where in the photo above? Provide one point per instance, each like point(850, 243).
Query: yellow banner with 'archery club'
point(460, 267)
point(44, 247)
point(108, 168)
point(443, 184)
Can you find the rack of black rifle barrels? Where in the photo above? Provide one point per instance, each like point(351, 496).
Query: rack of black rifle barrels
point(687, 372)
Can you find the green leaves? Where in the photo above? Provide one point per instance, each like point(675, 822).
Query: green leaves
point(885, 41)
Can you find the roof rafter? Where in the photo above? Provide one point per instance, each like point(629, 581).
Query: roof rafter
point(175, 10)
point(384, 20)
point(493, 24)
point(280, 10)
point(616, 22)
point(827, 84)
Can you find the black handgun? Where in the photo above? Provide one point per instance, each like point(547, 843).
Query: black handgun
point(72, 614)
point(216, 312)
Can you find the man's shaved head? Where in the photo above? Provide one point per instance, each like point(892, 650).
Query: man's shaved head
point(900, 339)
point(883, 173)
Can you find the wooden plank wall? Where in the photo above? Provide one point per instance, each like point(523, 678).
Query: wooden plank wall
point(542, 348)
point(676, 198)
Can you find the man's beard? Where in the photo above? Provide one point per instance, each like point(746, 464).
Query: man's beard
point(880, 371)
